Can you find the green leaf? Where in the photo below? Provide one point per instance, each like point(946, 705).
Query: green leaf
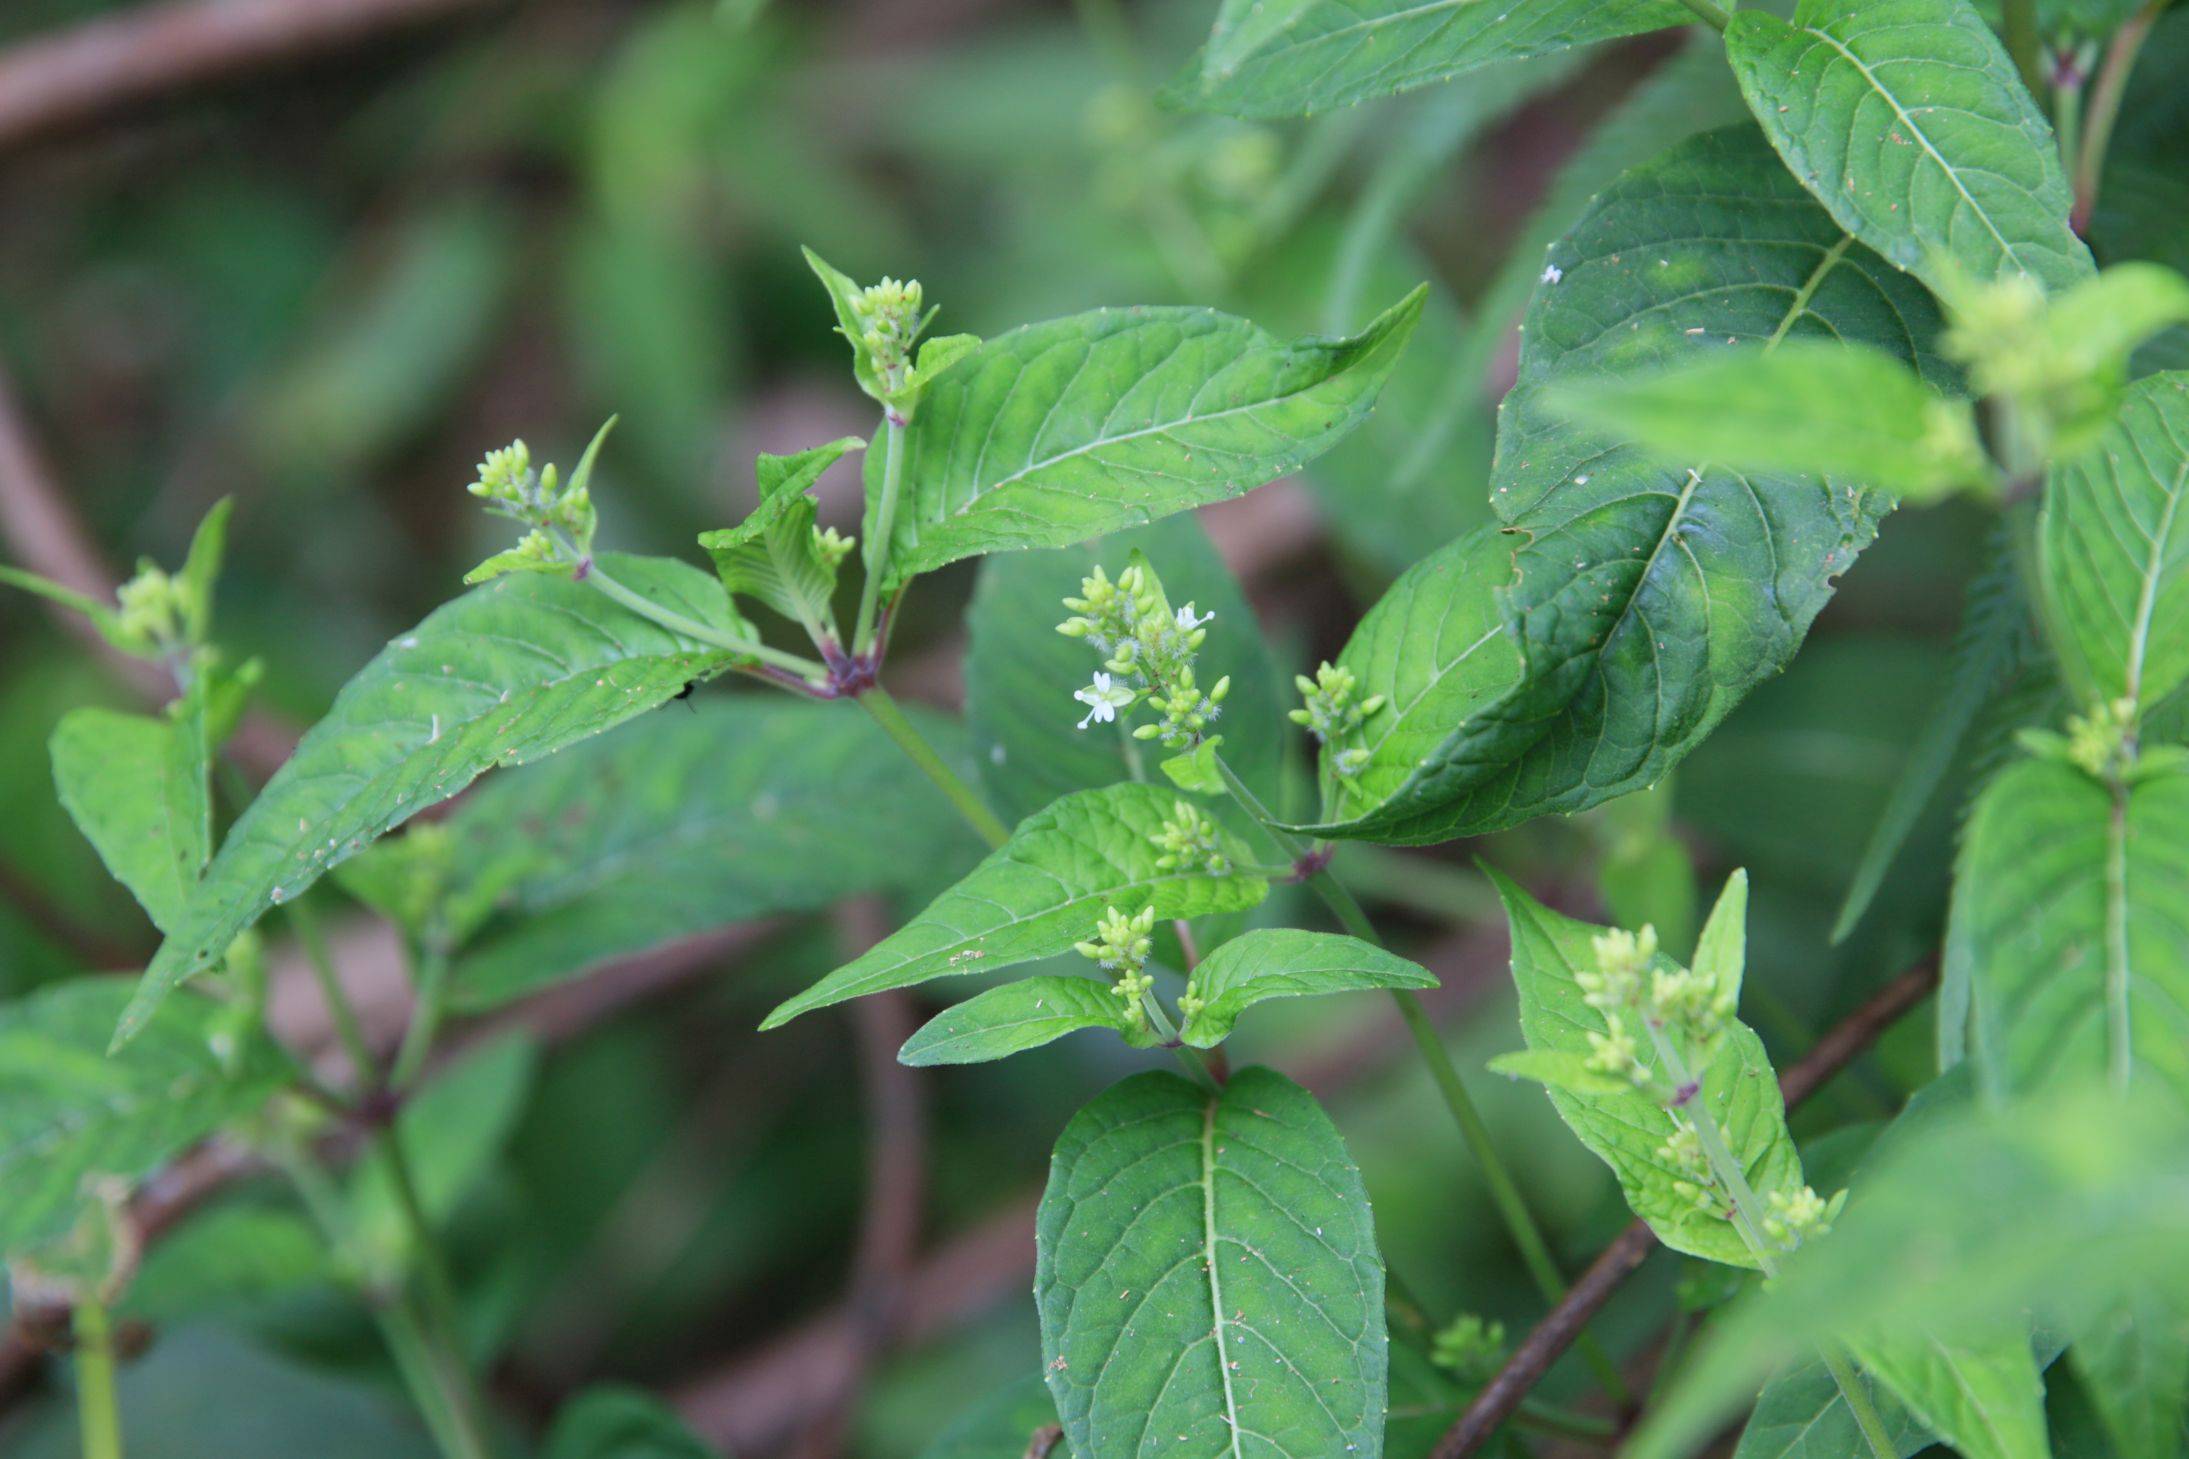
point(1278, 58)
point(1636, 603)
point(771, 555)
point(452, 1131)
point(1721, 953)
point(1908, 121)
point(1000, 1426)
point(226, 1260)
point(614, 1422)
point(1558, 1069)
point(135, 785)
point(1195, 770)
point(1626, 1129)
point(1801, 1414)
point(1041, 893)
point(729, 808)
point(1810, 406)
point(1020, 672)
point(2066, 910)
point(1285, 963)
point(102, 615)
point(201, 571)
point(2113, 550)
point(1207, 1273)
point(504, 674)
point(1063, 431)
point(70, 1116)
point(1013, 1018)
point(1986, 1400)
point(2133, 1359)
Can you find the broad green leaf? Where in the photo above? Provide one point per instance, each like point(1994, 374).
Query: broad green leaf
point(1041, 893)
point(613, 1422)
point(1012, 1018)
point(1277, 58)
point(1282, 962)
point(1812, 406)
point(452, 1130)
point(1000, 1426)
point(1801, 1414)
point(1020, 672)
point(227, 1259)
point(727, 808)
point(1637, 602)
point(1985, 1398)
point(1070, 429)
point(1558, 1069)
point(504, 674)
point(70, 1116)
point(1908, 121)
point(771, 555)
point(2066, 909)
point(1208, 1278)
point(2133, 1359)
point(2113, 549)
point(1626, 1129)
point(135, 785)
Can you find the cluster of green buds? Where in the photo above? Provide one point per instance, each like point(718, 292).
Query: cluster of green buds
point(1188, 842)
point(888, 319)
point(1121, 945)
point(1330, 713)
point(150, 607)
point(832, 546)
point(2101, 743)
point(1614, 989)
point(1148, 654)
point(1469, 1347)
point(1682, 1151)
point(559, 516)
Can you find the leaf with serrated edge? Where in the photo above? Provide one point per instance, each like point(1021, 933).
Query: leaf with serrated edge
point(1280, 962)
point(504, 674)
point(1062, 431)
point(728, 808)
point(1208, 1278)
point(1738, 1089)
point(1041, 893)
point(1645, 600)
point(1279, 58)
point(70, 1115)
point(1013, 1018)
point(135, 786)
point(1907, 120)
point(2113, 550)
point(2067, 911)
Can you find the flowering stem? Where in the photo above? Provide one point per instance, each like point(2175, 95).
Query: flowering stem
point(1535, 1252)
point(885, 524)
point(876, 702)
point(98, 1410)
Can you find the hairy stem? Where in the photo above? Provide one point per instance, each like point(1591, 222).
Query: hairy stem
point(99, 1412)
point(876, 702)
point(876, 556)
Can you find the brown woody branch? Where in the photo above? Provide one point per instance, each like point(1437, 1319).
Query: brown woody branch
point(1556, 1332)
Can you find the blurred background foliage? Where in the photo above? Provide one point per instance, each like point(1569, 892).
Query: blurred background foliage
point(327, 286)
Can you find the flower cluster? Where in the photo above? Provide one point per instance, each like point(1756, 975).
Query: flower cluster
point(1614, 989)
point(511, 488)
point(1469, 1347)
point(1121, 945)
point(1331, 713)
point(2100, 742)
point(1148, 653)
point(151, 607)
point(1188, 842)
point(1792, 1217)
point(888, 318)
point(1683, 1152)
point(832, 546)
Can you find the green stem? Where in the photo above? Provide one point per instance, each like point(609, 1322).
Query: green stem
point(98, 1410)
point(1709, 14)
point(437, 1310)
point(429, 989)
point(878, 541)
point(1436, 889)
point(1857, 1394)
point(2106, 95)
point(1535, 1252)
point(2019, 19)
point(676, 622)
point(876, 702)
point(340, 1011)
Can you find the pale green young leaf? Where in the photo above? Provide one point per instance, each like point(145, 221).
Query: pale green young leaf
point(1000, 1426)
point(504, 674)
point(1206, 1270)
point(135, 785)
point(1282, 962)
point(201, 571)
point(1558, 1069)
point(771, 555)
point(1042, 893)
point(101, 615)
point(1020, 672)
point(1279, 58)
point(1812, 406)
point(1012, 1018)
point(2113, 550)
point(1649, 598)
point(843, 292)
point(1067, 430)
point(613, 1422)
point(727, 808)
point(1721, 953)
point(1625, 1129)
point(2066, 911)
point(2094, 327)
point(1907, 119)
point(70, 1116)
point(1195, 770)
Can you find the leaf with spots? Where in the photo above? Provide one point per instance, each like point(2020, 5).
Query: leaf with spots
point(1629, 604)
point(507, 673)
point(1208, 1277)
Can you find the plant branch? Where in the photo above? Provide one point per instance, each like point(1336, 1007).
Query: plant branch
point(875, 701)
point(99, 1413)
point(1550, 1338)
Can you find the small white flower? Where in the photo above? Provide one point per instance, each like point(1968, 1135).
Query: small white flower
point(1103, 700)
point(1187, 622)
point(1552, 273)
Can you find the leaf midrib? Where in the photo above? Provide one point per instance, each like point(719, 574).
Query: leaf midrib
point(1208, 1255)
point(2139, 639)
